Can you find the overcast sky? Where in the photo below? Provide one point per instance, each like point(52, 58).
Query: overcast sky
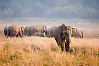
point(83, 9)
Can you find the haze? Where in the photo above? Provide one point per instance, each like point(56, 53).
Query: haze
point(66, 9)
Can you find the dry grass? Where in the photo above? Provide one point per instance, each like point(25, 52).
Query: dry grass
point(43, 51)
point(38, 51)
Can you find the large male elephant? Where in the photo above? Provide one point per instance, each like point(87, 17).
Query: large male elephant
point(62, 35)
point(15, 30)
point(77, 33)
point(37, 28)
point(26, 30)
point(5, 30)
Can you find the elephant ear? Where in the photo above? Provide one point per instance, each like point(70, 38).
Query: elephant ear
point(70, 29)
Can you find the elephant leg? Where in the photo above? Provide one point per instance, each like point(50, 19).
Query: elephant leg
point(11, 35)
point(8, 35)
point(61, 42)
point(63, 45)
point(67, 46)
point(28, 33)
point(59, 45)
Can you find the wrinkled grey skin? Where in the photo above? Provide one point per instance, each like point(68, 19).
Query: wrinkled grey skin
point(39, 34)
point(37, 28)
point(15, 30)
point(5, 30)
point(61, 34)
point(26, 30)
point(77, 33)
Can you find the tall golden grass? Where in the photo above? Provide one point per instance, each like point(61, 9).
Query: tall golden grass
point(43, 51)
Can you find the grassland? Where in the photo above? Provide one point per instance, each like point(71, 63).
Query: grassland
point(43, 51)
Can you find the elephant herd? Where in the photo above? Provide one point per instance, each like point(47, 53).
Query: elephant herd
point(14, 30)
point(61, 33)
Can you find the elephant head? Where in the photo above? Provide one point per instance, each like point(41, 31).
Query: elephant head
point(45, 30)
point(77, 33)
point(73, 31)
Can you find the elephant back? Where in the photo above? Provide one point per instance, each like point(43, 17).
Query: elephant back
point(37, 28)
point(14, 30)
point(53, 31)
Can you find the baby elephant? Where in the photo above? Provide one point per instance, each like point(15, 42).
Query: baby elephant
point(39, 34)
point(15, 30)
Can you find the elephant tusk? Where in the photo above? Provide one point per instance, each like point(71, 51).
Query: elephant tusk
point(65, 40)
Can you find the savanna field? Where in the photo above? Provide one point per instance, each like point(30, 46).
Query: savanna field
point(43, 51)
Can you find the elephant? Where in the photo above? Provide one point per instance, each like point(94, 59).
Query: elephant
point(37, 28)
point(5, 30)
point(62, 35)
point(39, 34)
point(26, 30)
point(77, 33)
point(15, 30)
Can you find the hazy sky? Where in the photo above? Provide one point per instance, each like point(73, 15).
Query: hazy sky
point(83, 9)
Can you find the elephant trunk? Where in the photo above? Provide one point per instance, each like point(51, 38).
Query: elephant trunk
point(68, 40)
